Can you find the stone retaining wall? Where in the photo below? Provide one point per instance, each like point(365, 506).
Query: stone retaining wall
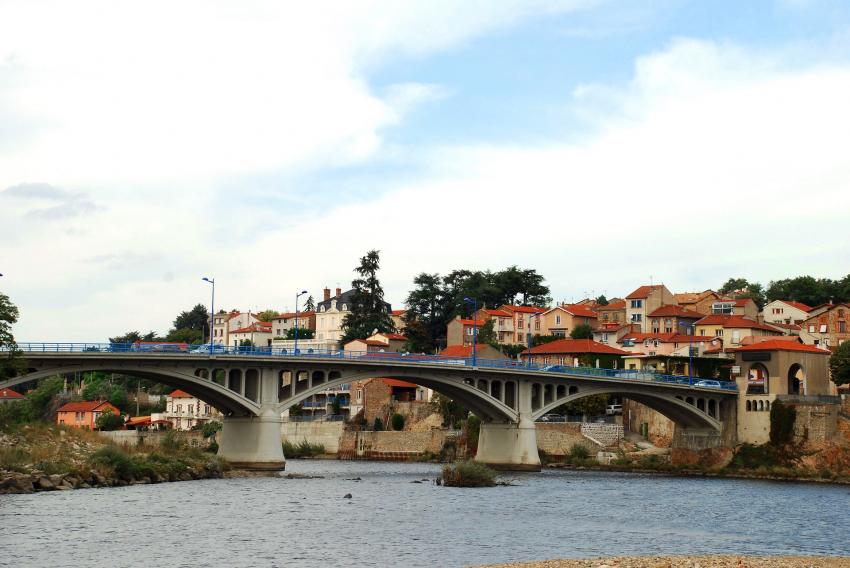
point(327, 434)
point(557, 438)
point(194, 438)
point(605, 434)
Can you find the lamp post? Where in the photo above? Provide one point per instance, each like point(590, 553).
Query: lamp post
point(298, 295)
point(212, 310)
point(690, 332)
point(474, 303)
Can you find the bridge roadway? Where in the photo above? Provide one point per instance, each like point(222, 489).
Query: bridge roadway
point(253, 386)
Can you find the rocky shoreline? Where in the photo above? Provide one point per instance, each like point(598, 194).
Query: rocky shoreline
point(710, 561)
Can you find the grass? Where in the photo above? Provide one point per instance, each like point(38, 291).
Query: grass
point(303, 449)
point(468, 474)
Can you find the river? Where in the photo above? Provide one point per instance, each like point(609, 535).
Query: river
point(391, 521)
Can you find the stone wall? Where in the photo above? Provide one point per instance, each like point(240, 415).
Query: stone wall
point(707, 447)
point(390, 445)
point(816, 422)
point(604, 434)
point(556, 439)
point(193, 438)
point(327, 434)
point(659, 428)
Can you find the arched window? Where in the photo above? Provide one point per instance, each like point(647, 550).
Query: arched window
point(345, 307)
point(749, 406)
point(767, 405)
point(758, 379)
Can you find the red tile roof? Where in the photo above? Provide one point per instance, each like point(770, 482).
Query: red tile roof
point(291, 315)
point(459, 351)
point(139, 421)
point(791, 326)
point(260, 327)
point(180, 394)
point(497, 313)
point(780, 345)
point(398, 383)
point(574, 346)
point(394, 336)
point(672, 310)
point(579, 310)
point(9, 393)
point(522, 309)
point(798, 305)
point(617, 305)
point(398, 312)
point(479, 323)
point(643, 292)
point(731, 321)
point(85, 406)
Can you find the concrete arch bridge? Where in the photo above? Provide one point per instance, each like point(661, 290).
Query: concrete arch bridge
point(253, 387)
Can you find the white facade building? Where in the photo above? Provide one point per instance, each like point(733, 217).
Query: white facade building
point(183, 411)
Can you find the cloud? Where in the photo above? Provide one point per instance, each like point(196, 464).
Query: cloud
point(69, 204)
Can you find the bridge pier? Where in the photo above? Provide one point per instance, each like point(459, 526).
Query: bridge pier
point(509, 447)
point(252, 442)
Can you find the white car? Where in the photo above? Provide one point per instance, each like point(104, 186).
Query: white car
point(707, 383)
point(614, 409)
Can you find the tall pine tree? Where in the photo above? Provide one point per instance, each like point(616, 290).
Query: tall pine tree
point(369, 312)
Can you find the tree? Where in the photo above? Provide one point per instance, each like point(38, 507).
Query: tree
point(310, 304)
point(109, 421)
point(427, 314)
point(582, 331)
point(11, 362)
point(839, 364)
point(602, 300)
point(246, 343)
point(197, 318)
point(118, 397)
point(368, 313)
point(397, 422)
point(755, 291)
point(135, 337)
point(303, 333)
point(733, 284)
point(806, 289)
point(185, 335)
point(267, 315)
point(451, 411)
point(541, 339)
point(487, 334)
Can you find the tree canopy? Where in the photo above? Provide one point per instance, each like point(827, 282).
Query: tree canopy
point(839, 364)
point(806, 289)
point(267, 315)
point(11, 362)
point(368, 312)
point(582, 331)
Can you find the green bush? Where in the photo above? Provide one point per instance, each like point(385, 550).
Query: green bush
point(782, 420)
point(473, 431)
point(210, 427)
point(379, 425)
point(579, 452)
point(397, 422)
point(749, 456)
point(468, 474)
point(303, 449)
point(109, 421)
point(171, 442)
point(213, 447)
point(115, 459)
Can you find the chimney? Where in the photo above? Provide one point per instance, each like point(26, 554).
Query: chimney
point(338, 292)
point(327, 294)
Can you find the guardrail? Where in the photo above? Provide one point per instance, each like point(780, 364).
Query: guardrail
point(183, 349)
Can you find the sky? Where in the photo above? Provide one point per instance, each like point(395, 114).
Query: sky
point(269, 145)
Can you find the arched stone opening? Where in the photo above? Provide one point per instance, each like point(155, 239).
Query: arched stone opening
point(496, 389)
point(252, 385)
point(712, 408)
point(749, 406)
point(234, 380)
point(761, 405)
point(573, 390)
point(796, 379)
point(220, 376)
point(758, 379)
point(510, 394)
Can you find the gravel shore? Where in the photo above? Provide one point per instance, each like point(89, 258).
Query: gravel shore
point(690, 562)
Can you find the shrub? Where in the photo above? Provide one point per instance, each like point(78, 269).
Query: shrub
point(210, 427)
point(109, 421)
point(303, 449)
point(468, 474)
point(112, 457)
point(378, 425)
point(397, 422)
point(473, 431)
point(213, 447)
point(749, 456)
point(171, 442)
point(782, 420)
point(579, 452)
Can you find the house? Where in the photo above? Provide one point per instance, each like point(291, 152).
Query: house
point(521, 321)
point(503, 323)
point(331, 312)
point(733, 329)
point(259, 334)
point(613, 312)
point(282, 323)
point(645, 300)
point(226, 322)
point(183, 411)
point(460, 331)
point(562, 320)
point(378, 342)
point(672, 319)
point(745, 307)
point(699, 302)
point(785, 311)
point(669, 353)
point(84, 414)
point(382, 397)
point(827, 326)
point(8, 395)
point(398, 319)
point(611, 333)
point(574, 352)
point(465, 352)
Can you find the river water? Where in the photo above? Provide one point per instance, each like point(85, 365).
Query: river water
point(391, 521)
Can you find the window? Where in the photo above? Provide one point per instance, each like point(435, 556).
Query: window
point(557, 320)
point(841, 313)
point(637, 303)
point(811, 329)
point(206, 409)
point(842, 327)
point(179, 408)
point(537, 325)
point(605, 316)
point(722, 307)
point(191, 408)
point(519, 338)
point(470, 330)
point(637, 317)
point(718, 333)
point(359, 395)
point(823, 328)
point(345, 307)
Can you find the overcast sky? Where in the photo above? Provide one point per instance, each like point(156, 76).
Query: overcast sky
point(144, 145)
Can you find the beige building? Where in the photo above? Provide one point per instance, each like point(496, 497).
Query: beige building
point(673, 319)
point(284, 322)
point(785, 311)
point(331, 312)
point(503, 323)
point(259, 334)
point(644, 301)
point(613, 312)
point(733, 330)
point(775, 370)
point(562, 320)
point(183, 411)
point(523, 321)
point(745, 307)
point(460, 331)
point(224, 323)
point(699, 302)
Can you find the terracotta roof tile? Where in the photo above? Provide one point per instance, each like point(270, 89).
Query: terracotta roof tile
point(780, 345)
point(459, 351)
point(672, 310)
point(85, 406)
point(9, 393)
point(180, 394)
point(643, 292)
point(574, 346)
point(732, 321)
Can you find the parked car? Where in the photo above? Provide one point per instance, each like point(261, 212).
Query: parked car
point(614, 409)
point(555, 368)
point(206, 348)
point(708, 383)
point(553, 418)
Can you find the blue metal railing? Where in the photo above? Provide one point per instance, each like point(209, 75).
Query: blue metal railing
point(183, 349)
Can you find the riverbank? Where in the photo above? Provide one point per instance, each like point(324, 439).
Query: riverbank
point(713, 561)
point(47, 457)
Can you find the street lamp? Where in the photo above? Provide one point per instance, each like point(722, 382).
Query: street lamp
point(298, 295)
point(212, 310)
point(474, 303)
point(690, 331)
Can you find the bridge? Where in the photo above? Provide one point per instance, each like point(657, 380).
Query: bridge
point(253, 386)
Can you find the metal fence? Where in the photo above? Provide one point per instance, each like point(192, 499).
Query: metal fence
point(181, 349)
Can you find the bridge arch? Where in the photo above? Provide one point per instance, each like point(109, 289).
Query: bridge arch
point(482, 402)
point(676, 409)
point(217, 395)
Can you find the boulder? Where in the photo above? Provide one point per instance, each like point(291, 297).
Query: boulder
point(44, 484)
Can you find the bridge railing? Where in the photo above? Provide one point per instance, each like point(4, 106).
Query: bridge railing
point(184, 349)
